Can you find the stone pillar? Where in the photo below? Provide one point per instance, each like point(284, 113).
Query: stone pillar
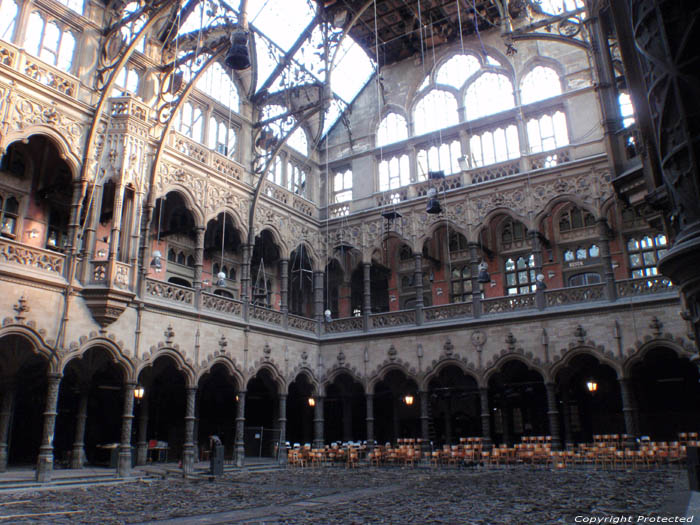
point(424, 398)
point(448, 422)
point(240, 425)
point(537, 252)
point(395, 419)
point(90, 229)
point(245, 272)
point(282, 455)
point(199, 257)
point(318, 296)
point(485, 417)
point(124, 464)
point(418, 284)
point(44, 466)
point(609, 274)
point(476, 285)
point(142, 431)
point(369, 419)
point(347, 418)
point(629, 410)
point(318, 423)
point(366, 293)
point(188, 447)
point(6, 409)
point(566, 410)
point(284, 286)
point(506, 421)
point(553, 415)
point(78, 456)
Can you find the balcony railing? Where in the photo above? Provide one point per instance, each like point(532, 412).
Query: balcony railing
point(577, 294)
point(37, 258)
point(510, 303)
point(266, 315)
point(644, 286)
point(170, 292)
point(221, 304)
point(390, 319)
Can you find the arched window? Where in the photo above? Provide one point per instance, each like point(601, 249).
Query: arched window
point(405, 253)
point(232, 274)
point(458, 242)
point(49, 42)
point(189, 121)
point(127, 81)
point(626, 109)
point(439, 158)
point(582, 279)
point(181, 258)
point(392, 128)
point(498, 145)
point(222, 137)
point(461, 283)
point(8, 17)
point(437, 109)
point(540, 83)
point(457, 70)
point(547, 132)
point(520, 274)
point(298, 141)
point(75, 5)
point(215, 269)
point(575, 218)
point(217, 83)
point(489, 94)
point(172, 257)
point(512, 231)
point(274, 174)
point(342, 186)
point(9, 213)
point(394, 173)
point(644, 253)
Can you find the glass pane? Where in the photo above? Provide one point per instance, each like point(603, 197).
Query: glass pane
point(457, 70)
point(632, 244)
point(635, 260)
point(510, 279)
point(510, 265)
point(540, 83)
point(35, 28)
point(594, 251)
point(521, 263)
point(569, 255)
point(522, 277)
point(65, 59)
point(660, 240)
point(8, 15)
point(581, 253)
point(649, 259)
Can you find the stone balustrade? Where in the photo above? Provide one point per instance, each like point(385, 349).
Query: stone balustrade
point(16, 253)
point(170, 292)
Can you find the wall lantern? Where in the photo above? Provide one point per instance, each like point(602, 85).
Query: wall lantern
point(156, 262)
point(592, 386)
point(408, 399)
point(139, 391)
point(312, 402)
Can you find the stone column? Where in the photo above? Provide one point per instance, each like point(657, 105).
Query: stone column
point(485, 417)
point(240, 425)
point(199, 257)
point(395, 419)
point(476, 285)
point(566, 410)
point(6, 409)
point(369, 419)
point(142, 432)
point(418, 284)
point(124, 464)
point(424, 398)
point(609, 273)
point(629, 410)
point(245, 272)
point(537, 252)
point(90, 229)
point(283, 428)
point(78, 457)
point(44, 466)
point(284, 286)
point(318, 423)
point(318, 296)
point(188, 447)
point(347, 418)
point(366, 293)
point(553, 415)
point(506, 420)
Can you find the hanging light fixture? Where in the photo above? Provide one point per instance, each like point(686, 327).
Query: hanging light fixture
point(540, 284)
point(433, 206)
point(238, 57)
point(221, 276)
point(221, 279)
point(156, 261)
point(483, 276)
point(328, 315)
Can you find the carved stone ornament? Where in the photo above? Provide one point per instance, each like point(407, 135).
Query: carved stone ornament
point(304, 355)
point(169, 334)
point(21, 308)
point(449, 348)
point(580, 334)
point(223, 343)
point(267, 350)
point(392, 353)
point(656, 326)
point(510, 341)
point(478, 338)
point(341, 358)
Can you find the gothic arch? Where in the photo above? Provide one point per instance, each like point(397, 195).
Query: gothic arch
point(383, 370)
point(310, 377)
point(564, 198)
point(188, 197)
point(513, 356)
point(275, 374)
point(113, 349)
point(583, 349)
point(660, 341)
point(389, 107)
point(340, 370)
point(435, 227)
point(444, 363)
point(232, 212)
point(36, 340)
point(228, 363)
point(545, 61)
point(57, 139)
point(277, 237)
point(488, 221)
point(180, 362)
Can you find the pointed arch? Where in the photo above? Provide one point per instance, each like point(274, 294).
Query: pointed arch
point(36, 340)
point(181, 364)
point(444, 363)
point(72, 157)
point(112, 348)
point(275, 374)
point(567, 356)
point(382, 372)
point(498, 364)
point(228, 363)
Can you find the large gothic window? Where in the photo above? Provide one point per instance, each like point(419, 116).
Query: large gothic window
point(393, 128)
point(222, 137)
point(50, 42)
point(298, 141)
point(439, 158)
point(457, 70)
point(547, 132)
point(539, 84)
point(8, 17)
point(489, 94)
point(437, 109)
point(217, 83)
point(498, 145)
point(394, 173)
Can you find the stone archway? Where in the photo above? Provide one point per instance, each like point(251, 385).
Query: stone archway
point(454, 405)
point(345, 410)
point(396, 407)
